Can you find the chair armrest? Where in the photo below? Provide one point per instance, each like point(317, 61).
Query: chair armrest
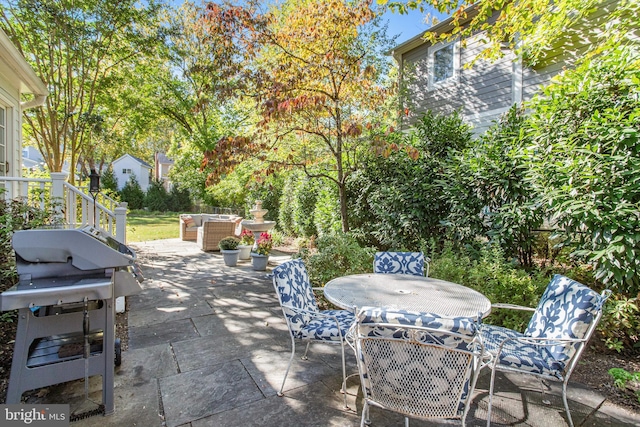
point(512, 307)
point(541, 341)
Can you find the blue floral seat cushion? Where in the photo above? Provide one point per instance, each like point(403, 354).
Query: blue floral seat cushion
point(369, 316)
point(565, 311)
point(325, 328)
point(399, 263)
point(299, 306)
point(520, 355)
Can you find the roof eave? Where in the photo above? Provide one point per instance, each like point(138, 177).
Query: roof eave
point(418, 40)
point(30, 82)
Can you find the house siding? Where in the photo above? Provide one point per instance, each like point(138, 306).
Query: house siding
point(478, 91)
point(10, 101)
point(140, 170)
point(484, 91)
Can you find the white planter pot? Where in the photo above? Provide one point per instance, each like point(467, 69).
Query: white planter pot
point(230, 257)
point(245, 251)
point(259, 262)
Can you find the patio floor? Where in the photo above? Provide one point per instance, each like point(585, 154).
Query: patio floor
point(208, 346)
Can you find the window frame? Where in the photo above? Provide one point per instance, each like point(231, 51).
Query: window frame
point(431, 61)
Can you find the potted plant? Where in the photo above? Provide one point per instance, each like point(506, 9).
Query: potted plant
point(246, 243)
point(229, 250)
point(260, 255)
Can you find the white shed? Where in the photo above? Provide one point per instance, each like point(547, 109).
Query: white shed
point(16, 79)
point(126, 166)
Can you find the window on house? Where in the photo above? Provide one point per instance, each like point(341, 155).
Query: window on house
point(444, 63)
point(126, 171)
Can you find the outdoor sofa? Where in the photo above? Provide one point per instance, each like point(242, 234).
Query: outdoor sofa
point(208, 229)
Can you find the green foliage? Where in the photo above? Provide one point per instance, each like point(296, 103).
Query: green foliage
point(16, 215)
point(337, 255)
point(489, 194)
point(108, 180)
point(585, 162)
point(398, 200)
point(270, 192)
point(304, 207)
point(132, 193)
point(620, 324)
point(287, 201)
point(326, 212)
point(76, 48)
point(229, 243)
point(179, 199)
point(621, 377)
point(497, 279)
point(156, 198)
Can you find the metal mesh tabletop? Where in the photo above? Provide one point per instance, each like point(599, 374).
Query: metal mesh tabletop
point(406, 292)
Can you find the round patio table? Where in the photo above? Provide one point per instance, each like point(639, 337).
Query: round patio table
point(406, 292)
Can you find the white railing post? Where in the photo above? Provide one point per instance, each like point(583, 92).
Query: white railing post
point(121, 222)
point(57, 193)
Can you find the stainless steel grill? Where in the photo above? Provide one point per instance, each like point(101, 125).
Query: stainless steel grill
point(68, 282)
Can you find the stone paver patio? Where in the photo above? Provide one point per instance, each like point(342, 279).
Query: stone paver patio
point(208, 346)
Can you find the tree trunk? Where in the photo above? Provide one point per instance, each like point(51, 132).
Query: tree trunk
point(342, 193)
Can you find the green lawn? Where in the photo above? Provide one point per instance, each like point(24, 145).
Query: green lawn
point(142, 226)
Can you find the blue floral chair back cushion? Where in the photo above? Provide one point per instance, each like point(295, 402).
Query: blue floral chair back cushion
point(399, 263)
point(565, 311)
point(441, 377)
point(292, 285)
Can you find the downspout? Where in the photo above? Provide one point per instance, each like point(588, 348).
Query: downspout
point(37, 101)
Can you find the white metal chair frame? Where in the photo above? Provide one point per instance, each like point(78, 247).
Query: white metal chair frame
point(542, 343)
point(423, 344)
point(343, 320)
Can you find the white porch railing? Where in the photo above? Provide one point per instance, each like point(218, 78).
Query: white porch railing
point(70, 205)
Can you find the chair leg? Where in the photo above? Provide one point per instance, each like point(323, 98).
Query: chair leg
point(406, 421)
point(493, 378)
point(365, 415)
point(304, 356)
point(344, 377)
point(566, 403)
point(293, 353)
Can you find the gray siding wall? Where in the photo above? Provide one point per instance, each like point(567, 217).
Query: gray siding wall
point(486, 90)
point(475, 92)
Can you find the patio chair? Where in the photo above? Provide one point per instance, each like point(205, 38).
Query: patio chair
point(401, 263)
point(552, 343)
point(304, 320)
point(420, 365)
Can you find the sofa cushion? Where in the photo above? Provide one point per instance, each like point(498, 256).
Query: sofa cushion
point(188, 221)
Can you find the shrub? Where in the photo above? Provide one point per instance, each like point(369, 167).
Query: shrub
point(108, 180)
point(498, 280)
point(229, 243)
point(132, 193)
point(337, 255)
point(157, 197)
point(16, 215)
point(585, 162)
point(397, 201)
point(489, 194)
point(326, 211)
point(179, 199)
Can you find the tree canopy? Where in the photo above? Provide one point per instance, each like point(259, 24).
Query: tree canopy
point(77, 48)
point(528, 27)
point(318, 87)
